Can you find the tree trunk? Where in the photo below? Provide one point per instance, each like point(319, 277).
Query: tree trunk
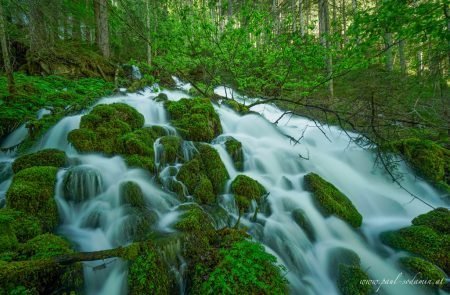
point(149, 41)
point(230, 9)
point(301, 17)
point(5, 54)
point(401, 53)
point(388, 49)
point(37, 26)
point(294, 15)
point(101, 25)
point(344, 22)
point(324, 29)
point(355, 6)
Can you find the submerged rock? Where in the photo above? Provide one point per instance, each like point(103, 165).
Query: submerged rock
point(32, 192)
point(246, 189)
point(82, 183)
point(303, 221)
point(331, 200)
point(48, 157)
point(195, 119)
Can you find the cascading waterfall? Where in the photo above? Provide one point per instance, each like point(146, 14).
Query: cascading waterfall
point(94, 217)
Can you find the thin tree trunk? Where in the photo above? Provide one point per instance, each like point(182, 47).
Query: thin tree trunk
point(401, 53)
point(230, 9)
point(324, 29)
point(102, 30)
point(388, 48)
point(301, 17)
point(5, 54)
point(37, 28)
point(344, 22)
point(355, 6)
point(149, 41)
point(294, 15)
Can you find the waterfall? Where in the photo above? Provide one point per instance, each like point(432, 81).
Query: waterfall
point(94, 216)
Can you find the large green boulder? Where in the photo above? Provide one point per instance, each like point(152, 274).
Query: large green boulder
point(32, 192)
point(48, 157)
point(234, 149)
point(423, 270)
point(246, 189)
point(195, 119)
point(331, 201)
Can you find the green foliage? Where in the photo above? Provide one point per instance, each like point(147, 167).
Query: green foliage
point(349, 280)
point(196, 119)
point(48, 157)
point(148, 274)
point(246, 189)
point(331, 200)
point(194, 219)
point(245, 268)
point(234, 149)
point(423, 270)
point(32, 192)
point(236, 106)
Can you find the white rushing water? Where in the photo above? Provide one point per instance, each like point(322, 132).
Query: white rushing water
point(93, 217)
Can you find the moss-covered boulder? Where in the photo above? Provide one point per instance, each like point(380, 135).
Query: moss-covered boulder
point(48, 157)
point(195, 119)
point(234, 149)
point(148, 274)
point(103, 128)
point(8, 240)
point(438, 220)
point(171, 150)
point(246, 189)
point(142, 162)
point(193, 219)
point(423, 270)
point(349, 280)
point(303, 221)
point(243, 268)
point(32, 192)
point(45, 246)
point(429, 159)
point(23, 226)
point(331, 200)
point(131, 194)
point(205, 175)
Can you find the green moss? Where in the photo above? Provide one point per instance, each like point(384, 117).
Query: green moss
point(423, 241)
point(131, 194)
point(234, 149)
point(244, 268)
point(45, 246)
point(194, 219)
point(24, 227)
point(139, 142)
point(331, 200)
point(32, 192)
point(196, 119)
point(213, 167)
point(437, 219)
point(171, 150)
point(142, 162)
point(303, 221)
point(246, 189)
point(349, 280)
point(138, 223)
point(236, 106)
point(189, 174)
point(148, 274)
point(429, 159)
point(204, 191)
point(112, 112)
point(8, 240)
point(423, 270)
point(49, 157)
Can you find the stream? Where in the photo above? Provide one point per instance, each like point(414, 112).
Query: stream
point(96, 220)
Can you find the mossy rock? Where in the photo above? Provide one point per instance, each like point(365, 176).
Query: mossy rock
point(131, 194)
point(189, 174)
point(82, 183)
point(48, 157)
point(32, 192)
point(23, 227)
point(437, 219)
point(423, 241)
point(195, 119)
point(138, 224)
point(148, 274)
point(331, 200)
point(303, 221)
point(171, 149)
point(243, 268)
point(40, 276)
point(139, 142)
point(162, 97)
point(204, 191)
point(246, 189)
point(194, 219)
point(136, 161)
point(349, 280)
point(429, 159)
point(236, 106)
point(112, 112)
point(213, 167)
point(46, 246)
point(234, 149)
point(423, 270)
point(8, 240)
